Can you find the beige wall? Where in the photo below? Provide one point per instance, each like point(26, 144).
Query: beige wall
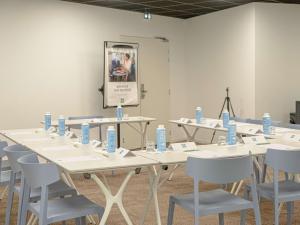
point(51, 57)
point(277, 54)
point(220, 54)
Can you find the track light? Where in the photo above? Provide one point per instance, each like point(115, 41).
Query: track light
point(147, 15)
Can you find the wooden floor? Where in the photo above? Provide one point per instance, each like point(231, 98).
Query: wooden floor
point(136, 195)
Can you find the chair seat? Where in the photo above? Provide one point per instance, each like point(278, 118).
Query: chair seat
point(288, 191)
point(67, 208)
point(213, 202)
point(57, 189)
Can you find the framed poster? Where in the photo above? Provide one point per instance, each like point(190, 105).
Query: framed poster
point(120, 74)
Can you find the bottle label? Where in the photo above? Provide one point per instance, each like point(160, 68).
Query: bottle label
point(85, 133)
point(198, 116)
point(161, 139)
point(267, 123)
point(225, 119)
point(111, 141)
point(119, 113)
point(47, 121)
point(231, 134)
point(61, 127)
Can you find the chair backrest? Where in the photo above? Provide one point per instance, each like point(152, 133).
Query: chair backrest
point(286, 160)
point(82, 118)
point(294, 126)
point(38, 174)
point(239, 119)
point(3, 144)
point(254, 121)
point(13, 153)
point(220, 170)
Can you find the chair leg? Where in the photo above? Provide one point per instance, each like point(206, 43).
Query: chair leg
point(10, 200)
point(78, 221)
point(290, 212)
point(83, 220)
point(243, 217)
point(171, 211)
point(276, 213)
point(221, 218)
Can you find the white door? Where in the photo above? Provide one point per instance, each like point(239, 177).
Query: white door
point(154, 88)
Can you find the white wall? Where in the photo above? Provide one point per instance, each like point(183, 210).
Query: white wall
point(51, 57)
point(220, 54)
point(277, 54)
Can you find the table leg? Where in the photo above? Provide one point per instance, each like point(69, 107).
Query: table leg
point(113, 199)
point(143, 132)
point(154, 178)
point(189, 137)
point(119, 135)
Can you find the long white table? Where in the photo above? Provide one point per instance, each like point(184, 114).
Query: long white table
point(217, 125)
point(142, 122)
point(75, 159)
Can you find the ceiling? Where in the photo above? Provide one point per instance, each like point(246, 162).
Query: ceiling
point(175, 8)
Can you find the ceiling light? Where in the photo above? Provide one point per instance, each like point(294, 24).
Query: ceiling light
point(147, 15)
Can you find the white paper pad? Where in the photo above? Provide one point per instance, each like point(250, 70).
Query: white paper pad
point(80, 158)
point(59, 148)
point(280, 147)
point(20, 132)
point(36, 139)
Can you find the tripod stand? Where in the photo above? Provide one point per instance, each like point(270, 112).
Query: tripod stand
point(227, 102)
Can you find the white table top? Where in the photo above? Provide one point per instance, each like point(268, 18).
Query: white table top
point(71, 157)
point(76, 158)
point(99, 121)
point(242, 128)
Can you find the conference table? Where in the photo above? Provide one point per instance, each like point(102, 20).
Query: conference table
point(217, 125)
point(142, 122)
point(74, 158)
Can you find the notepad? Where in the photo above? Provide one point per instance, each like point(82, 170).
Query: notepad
point(20, 132)
point(39, 139)
point(281, 147)
point(80, 158)
point(59, 148)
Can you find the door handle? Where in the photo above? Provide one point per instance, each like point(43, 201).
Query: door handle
point(143, 91)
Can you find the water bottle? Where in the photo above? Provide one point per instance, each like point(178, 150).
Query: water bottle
point(231, 133)
point(85, 133)
point(119, 112)
point(161, 138)
point(61, 126)
point(267, 123)
point(198, 115)
point(47, 120)
point(225, 117)
point(111, 139)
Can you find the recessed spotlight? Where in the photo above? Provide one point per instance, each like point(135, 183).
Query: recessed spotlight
point(147, 15)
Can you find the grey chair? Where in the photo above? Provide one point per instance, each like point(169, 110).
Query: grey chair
point(218, 201)
point(239, 119)
point(254, 121)
point(57, 189)
point(42, 175)
point(286, 191)
point(77, 127)
point(4, 172)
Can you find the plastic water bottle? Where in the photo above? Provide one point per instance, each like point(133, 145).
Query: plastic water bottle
point(47, 120)
point(119, 112)
point(231, 133)
point(85, 133)
point(161, 138)
point(61, 126)
point(111, 139)
point(225, 117)
point(198, 115)
point(267, 123)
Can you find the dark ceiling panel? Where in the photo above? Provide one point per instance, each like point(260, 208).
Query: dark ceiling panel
point(175, 8)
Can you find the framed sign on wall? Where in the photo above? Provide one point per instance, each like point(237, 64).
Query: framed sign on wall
point(120, 74)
